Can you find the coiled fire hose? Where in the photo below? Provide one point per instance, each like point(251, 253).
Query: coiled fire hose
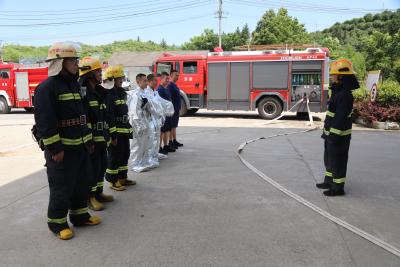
point(371, 238)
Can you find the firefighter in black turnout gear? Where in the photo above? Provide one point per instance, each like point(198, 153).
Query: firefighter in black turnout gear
point(99, 120)
point(118, 155)
point(62, 125)
point(338, 127)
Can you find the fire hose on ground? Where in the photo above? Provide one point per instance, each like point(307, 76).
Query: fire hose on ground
point(371, 238)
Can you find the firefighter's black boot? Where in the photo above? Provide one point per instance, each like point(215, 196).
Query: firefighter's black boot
point(326, 184)
point(322, 185)
point(331, 193)
point(88, 221)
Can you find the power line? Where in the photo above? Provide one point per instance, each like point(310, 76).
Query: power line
point(65, 11)
point(103, 15)
point(85, 11)
point(191, 4)
point(220, 12)
point(119, 30)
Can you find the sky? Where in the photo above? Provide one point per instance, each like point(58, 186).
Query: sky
point(100, 22)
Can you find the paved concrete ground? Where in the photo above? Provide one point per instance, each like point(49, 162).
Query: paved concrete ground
point(202, 207)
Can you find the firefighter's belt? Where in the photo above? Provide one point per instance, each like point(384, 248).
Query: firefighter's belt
point(100, 126)
point(72, 122)
point(123, 119)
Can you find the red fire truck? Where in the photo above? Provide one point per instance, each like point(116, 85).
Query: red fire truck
point(17, 86)
point(270, 81)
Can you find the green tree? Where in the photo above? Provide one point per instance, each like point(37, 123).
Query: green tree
point(163, 43)
point(377, 48)
point(234, 39)
point(13, 52)
point(245, 34)
point(396, 70)
point(208, 40)
point(274, 28)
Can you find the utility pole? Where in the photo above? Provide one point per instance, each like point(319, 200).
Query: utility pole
point(1, 50)
point(220, 12)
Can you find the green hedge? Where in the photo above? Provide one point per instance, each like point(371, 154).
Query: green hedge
point(361, 94)
point(387, 106)
point(389, 93)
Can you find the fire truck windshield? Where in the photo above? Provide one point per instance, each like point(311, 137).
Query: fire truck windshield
point(164, 67)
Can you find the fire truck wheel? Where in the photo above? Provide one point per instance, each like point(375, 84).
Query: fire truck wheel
point(192, 111)
point(4, 108)
point(269, 108)
point(183, 111)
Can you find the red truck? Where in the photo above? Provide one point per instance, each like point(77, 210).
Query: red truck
point(270, 81)
point(18, 84)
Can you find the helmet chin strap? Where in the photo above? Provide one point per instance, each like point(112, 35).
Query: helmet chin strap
point(69, 74)
point(92, 77)
point(108, 84)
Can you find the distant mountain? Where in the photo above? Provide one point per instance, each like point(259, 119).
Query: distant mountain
point(352, 31)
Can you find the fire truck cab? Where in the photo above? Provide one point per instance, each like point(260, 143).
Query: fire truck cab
point(17, 86)
point(270, 81)
point(192, 79)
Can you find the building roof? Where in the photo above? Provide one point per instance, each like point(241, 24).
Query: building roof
point(144, 59)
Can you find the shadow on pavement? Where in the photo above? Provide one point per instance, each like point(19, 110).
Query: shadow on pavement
point(250, 116)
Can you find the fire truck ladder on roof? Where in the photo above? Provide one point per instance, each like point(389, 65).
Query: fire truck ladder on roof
point(309, 50)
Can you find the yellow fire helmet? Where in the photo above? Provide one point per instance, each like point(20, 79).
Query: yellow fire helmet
point(107, 74)
point(88, 64)
point(118, 71)
point(342, 67)
point(63, 50)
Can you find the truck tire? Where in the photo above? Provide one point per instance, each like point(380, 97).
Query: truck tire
point(302, 115)
point(183, 111)
point(192, 111)
point(269, 108)
point(30, 109)
point(4, 108)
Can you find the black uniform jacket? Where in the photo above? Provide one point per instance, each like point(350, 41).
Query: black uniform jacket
point(338, 121)
point(101, 122)
point(116, 102)
point(60, 116)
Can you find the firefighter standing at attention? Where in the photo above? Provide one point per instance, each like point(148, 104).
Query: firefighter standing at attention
point(118, 155)
point(338, 127)
point(95, 103)
point(61, 123)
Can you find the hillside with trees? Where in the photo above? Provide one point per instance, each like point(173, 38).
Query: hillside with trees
point(371, 42)
point(208, 40)
point(16, 53)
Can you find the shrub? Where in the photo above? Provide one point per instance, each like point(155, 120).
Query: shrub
point(361, 94)
point(389, 93)
point(371, 112)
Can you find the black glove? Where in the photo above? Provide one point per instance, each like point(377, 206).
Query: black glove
point(144, 102)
